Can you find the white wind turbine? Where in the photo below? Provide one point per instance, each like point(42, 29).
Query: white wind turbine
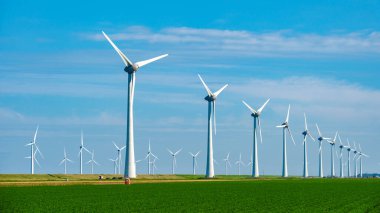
point(305, 133)
point(256, 121)
point(115, 164)
point(119, 149)
point(149, 155)
point(131, 68)
point(355, 150)
point(92, 162)
point(211, 98)
point(81, 148)
point(360, 157)
point(320, 139)
point(285, 126)
point(349, 149)
point(239, 163)
point(341, 146)
point(227, 163)
point(194, 160)
point(332, 143)
point(65, 159)
point(174, 161)
point(154, 165)
point(33, 150)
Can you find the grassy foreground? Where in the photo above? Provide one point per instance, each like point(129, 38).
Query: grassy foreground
point(268, 195)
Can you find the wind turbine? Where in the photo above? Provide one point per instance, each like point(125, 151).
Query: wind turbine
point(92, 161)
point(355, 160)
point(154, 165)
point(65, 159)
point(349, 148)
point(194, 160)
point(305, 133)
point(227, 163)
point(332, 143)
point(174, 161)
point(360, 157)
point(131, 68)
point(118, 154)
point(81, 148)
point(341, 146)
point(211, 99)
point(320, 139)
point(256, 121)
point(239, 163)
point(33, 145)
point(115, 165)
point(285, 126)
point(149, 155)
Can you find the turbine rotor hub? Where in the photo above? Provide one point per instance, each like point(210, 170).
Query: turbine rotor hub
point(210, 98)
point(131, 69)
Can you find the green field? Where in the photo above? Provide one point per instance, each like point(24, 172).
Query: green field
point(234, 195)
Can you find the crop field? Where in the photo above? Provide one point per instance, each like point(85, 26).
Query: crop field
point(235, 195)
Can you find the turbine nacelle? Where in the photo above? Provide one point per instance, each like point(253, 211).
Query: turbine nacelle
point(210, 98)
point(131, 68)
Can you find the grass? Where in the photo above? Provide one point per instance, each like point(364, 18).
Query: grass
point(241, 195)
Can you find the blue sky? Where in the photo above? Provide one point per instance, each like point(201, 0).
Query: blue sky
point(56, 70)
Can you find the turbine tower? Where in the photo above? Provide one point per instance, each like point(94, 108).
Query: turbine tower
point(81, 148)
point(92, 161)
point(285, 126)
point(355, 161)
point(194, 160)
point(149, 155)
point(349, 148)
point(65, 159)
point(118, 155)
point(211, 99)
point(131, 68)
point(320, 139)
point(239, 163)
point(305, 134)
point(174, 161)
point(256, 121)
point(115, 164)
point(332, 143)
point(227, 163)
point(360, 157)
point(341, 146)
point(33, 150)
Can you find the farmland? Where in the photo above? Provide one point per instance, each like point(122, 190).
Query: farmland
point(226, 194)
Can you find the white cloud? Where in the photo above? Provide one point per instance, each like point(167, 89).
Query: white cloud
point(284, 43)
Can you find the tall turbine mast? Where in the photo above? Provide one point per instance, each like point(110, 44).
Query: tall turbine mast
point(285, 126)
point(320, 139)
point(256, 121)
point(131, 68)
point(211, 99)
point(305, 133)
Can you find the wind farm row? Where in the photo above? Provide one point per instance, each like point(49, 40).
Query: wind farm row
point(211, 97)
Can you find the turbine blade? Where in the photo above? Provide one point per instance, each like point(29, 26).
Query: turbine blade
point(287, 116)
point(86, 150)
point(191, 154)
point(304, 115)
point(220, 90)
point(35, 134)
point(290, 133)
point(340, 140)
point(205, 86)
point(197, 153)
point(281, 126)
point(61, 162)
point(38, 150)
point(263, 106)
point(249, 107)
point(154, 156)
point(126, 61)
point(319, 132)
point(178, 151)
point(69, 160)
point(115, 145)
point(122, 148)
point(310, 136)
point(37, 162)
point(170, 152)
point(145, 62)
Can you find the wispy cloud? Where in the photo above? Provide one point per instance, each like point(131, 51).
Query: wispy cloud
point(284, 43)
